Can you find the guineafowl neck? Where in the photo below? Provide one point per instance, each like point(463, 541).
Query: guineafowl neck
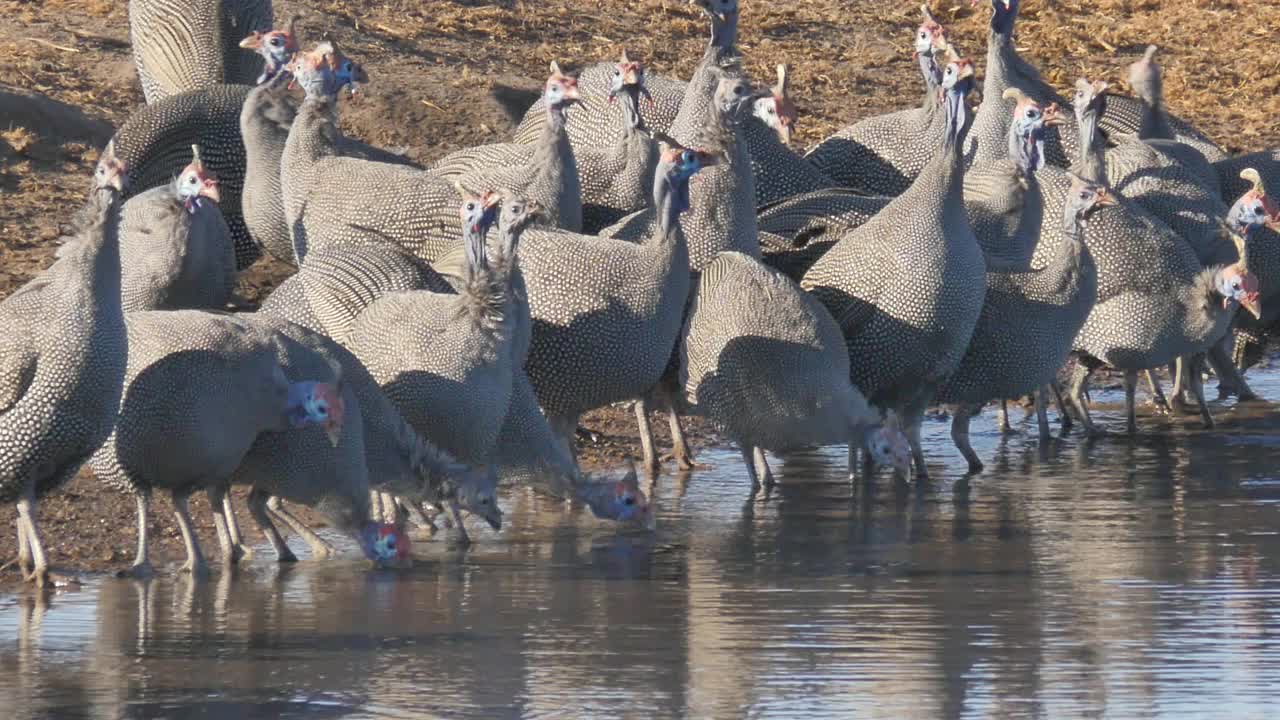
point(1071, 265)
point(1091, 164)
point(315, 129)
point(553, 161)
point(929, 69)
point(698, 97)
point(86, 280)
point(724, 33)
point(634, 123)
point(1155, 121)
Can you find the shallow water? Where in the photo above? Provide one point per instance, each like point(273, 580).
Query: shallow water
point(1121, 578)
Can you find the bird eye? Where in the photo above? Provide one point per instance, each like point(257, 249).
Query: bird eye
point(739, 90)
point(924, 35)
point(1032, 113)
point(276, 41)
point(471, 206)
point(628, 500)
point(1258, 209)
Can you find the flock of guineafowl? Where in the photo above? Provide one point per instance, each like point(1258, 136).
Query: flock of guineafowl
point(639, 239)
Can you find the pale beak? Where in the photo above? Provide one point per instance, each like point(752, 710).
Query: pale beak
point(253, 42)
point(333, 431)
point(209, 189)
point(784, 132)
point(1106, 199)
point(1253, 304)
point(571, 93)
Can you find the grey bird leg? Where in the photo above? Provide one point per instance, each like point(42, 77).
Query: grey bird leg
point(1157, 394)
point(226, 543)
point(1230, 378)
point(1042, 413)
point(141, 567)
point(1130, 409)
point(391, 509)
point(679, 445)
point(1064, 411)
point(566, 428)
point(27, 517)
point(1002, 420)
point(319, 547)
point(195, 563)
point(1079, 384)
point(853, 461)
point(749, 458)
point(912, 418)
point(1197, 390)
point(1178, 397)
point(24, 547)
point(233, 528)
point(463, 537)
point(762, 467)
point(960, 436)
point(258, 509)
point(649, 461)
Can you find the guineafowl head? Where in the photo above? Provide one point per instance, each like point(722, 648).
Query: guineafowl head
point(1084, 198)
point(384, 544)
point(1090, 100)
point(478, 210)
point(277, 47)
point(196, 183)
point(957, 81)
point(560, 90)
point(619, 500)
point(1237, 285)
point(1144, 76)
point(1026, 131)
point(316, 403)
point(722, 10)
point(931, 37)
point(1003, 13)
point(776, 109)
point(111, 172)
point(478, 495)
point(627, 76)
point(1255, 208)
point(733, 94)
point(676, 166)
point(325, 70)
point(888, 446)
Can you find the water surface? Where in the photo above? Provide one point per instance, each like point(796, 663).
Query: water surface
point(1120, 578)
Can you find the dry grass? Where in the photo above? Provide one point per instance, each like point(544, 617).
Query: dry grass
point(434, 62)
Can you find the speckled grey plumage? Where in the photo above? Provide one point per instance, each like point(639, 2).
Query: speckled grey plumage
point(331, 199)
point(336, 284)
point(722, 214)
point(907, 286)
point(1266, 162)
point(174, 258)
point(765, 361)
point(444, 360)
point(61, 379)
point(1029, 319)
point(796, 232)
point(605, 315)
point(548, 172)
point(1005, 68)
point(194, 44)
point(155, 144)
point(598, 124)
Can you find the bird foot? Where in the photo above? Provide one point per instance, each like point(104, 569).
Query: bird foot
point(240, 553)
point(975, 468)
point(287, 556)
point(195, 570)
point(684, 463)
point(139, 571)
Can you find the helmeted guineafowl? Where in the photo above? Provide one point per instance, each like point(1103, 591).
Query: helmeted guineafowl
point(907, 286)
point(176, 251)
point(765, 362)
point(199, 389)
point(62, 367)
point(179, 46)
point(882, 155)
